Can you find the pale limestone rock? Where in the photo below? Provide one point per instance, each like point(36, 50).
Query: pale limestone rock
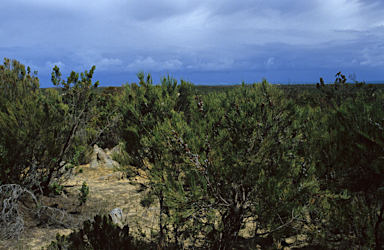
point(100, 159)
point(117, 217)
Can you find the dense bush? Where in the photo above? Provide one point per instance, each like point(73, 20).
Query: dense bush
point(348, 145)
point(239, 154)
point(40, 133)
point(106, 112)
point(143, 107)
point(251, 153)
point(101, 234)
point(19, 98)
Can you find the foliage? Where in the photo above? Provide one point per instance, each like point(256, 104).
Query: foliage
point(99, 234)
point(347, 143)
point(122, 157)
point(106, 110)
point(247, 158)
point(286, 163)
point(19, 97)
point(84, 192)
point(3, 162)
point(235, 158)
point(40, 133)
point(147, 200)
point(56, 188)
point(339, 92)
point(143, 107)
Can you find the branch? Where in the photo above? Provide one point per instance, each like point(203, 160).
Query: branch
point(12, 224)
point(282, 226)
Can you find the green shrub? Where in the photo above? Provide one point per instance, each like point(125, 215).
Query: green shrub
point(56, 188)
point(122, 157)
point(233, 152)
point(147, 200)
point(78, 155)
point(99, 235)
point(346, 145)
point(84, 191)
point(37, 127)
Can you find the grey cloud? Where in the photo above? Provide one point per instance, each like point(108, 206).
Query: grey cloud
point(109, 64)
point(224, 64)
point(155, 10)
point(260, 7)
point(149, 64)
point(270, 61)
point(188, 37)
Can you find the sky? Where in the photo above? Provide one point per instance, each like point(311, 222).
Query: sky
point(204, 42)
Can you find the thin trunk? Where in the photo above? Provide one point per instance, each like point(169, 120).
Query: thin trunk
point(176, 232)
point(379, 220)
point(161, 243)
point(232, 224)
point(63, 152)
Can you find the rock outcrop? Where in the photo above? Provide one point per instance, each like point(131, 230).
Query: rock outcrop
point(66, 170)
point(117, 217)
point(115, 150)
point(102, 158)
point(115, 176)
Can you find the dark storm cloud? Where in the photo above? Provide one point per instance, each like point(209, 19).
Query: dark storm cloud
point(222, 40)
